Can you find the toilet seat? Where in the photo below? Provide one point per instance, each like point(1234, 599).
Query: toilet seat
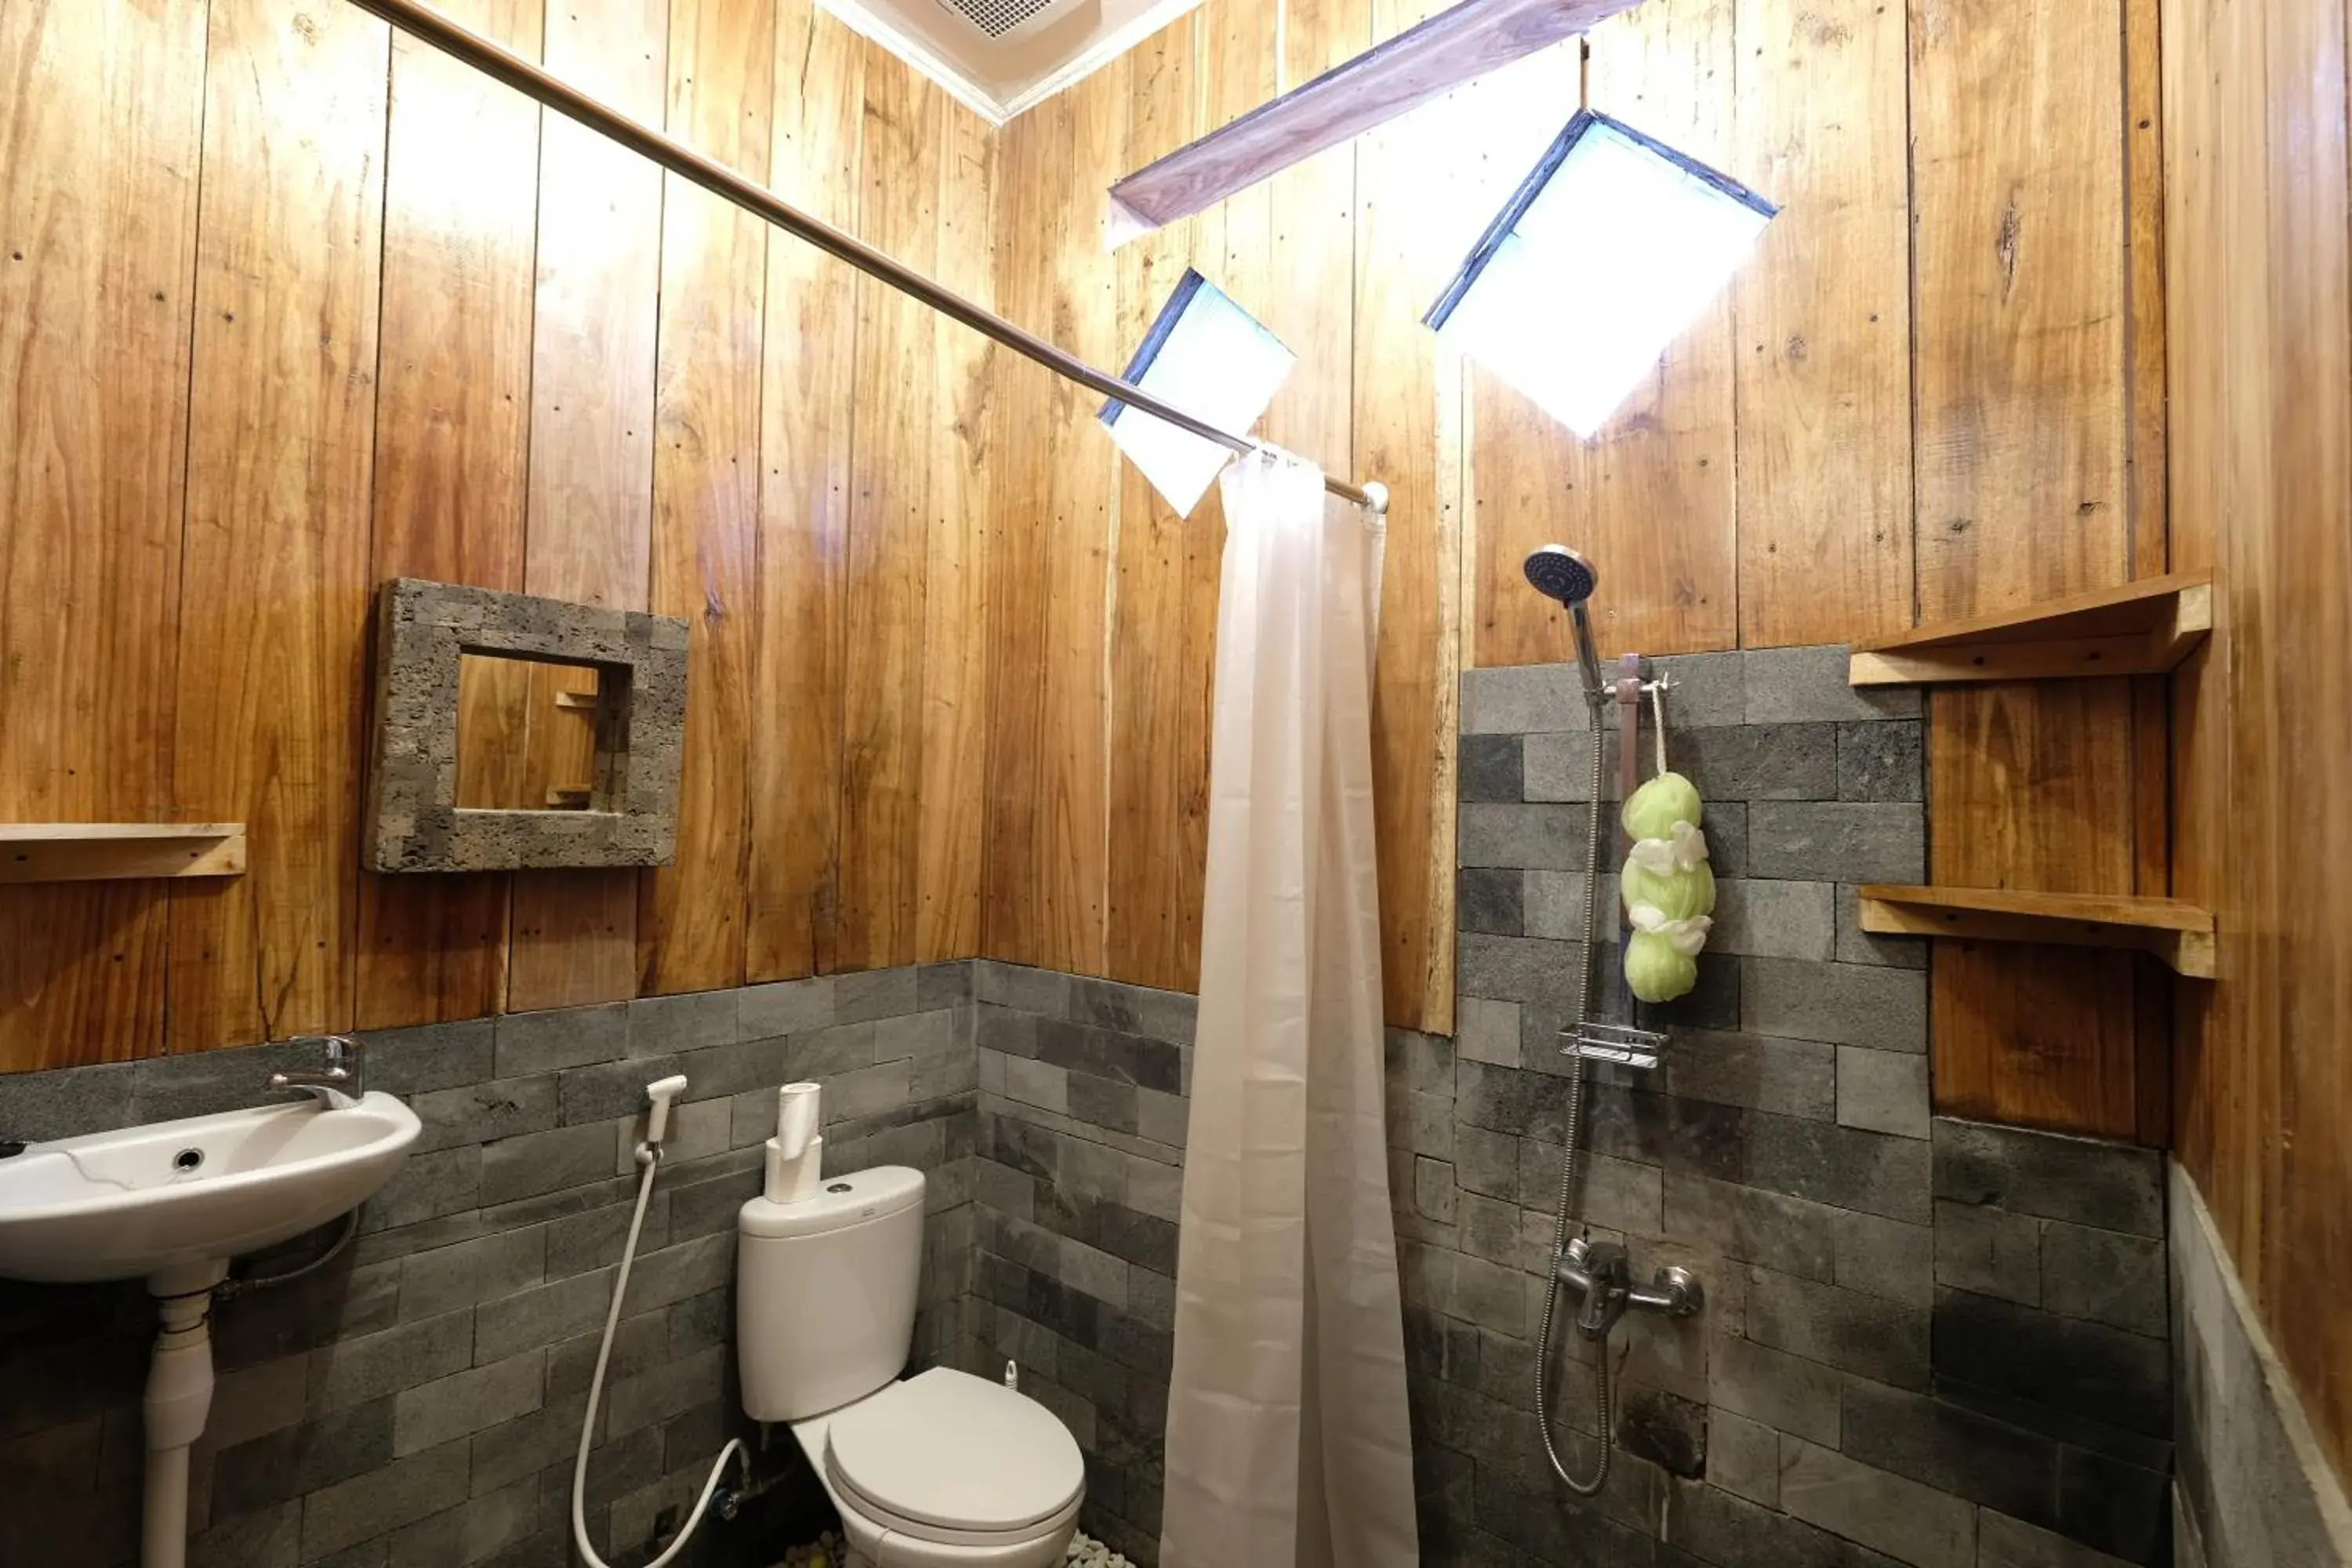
point(949, 1458)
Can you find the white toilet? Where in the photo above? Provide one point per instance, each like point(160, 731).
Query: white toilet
point(943, 1470)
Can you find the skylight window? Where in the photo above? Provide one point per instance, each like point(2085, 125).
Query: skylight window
point(1604, 254)
point(1207, 357)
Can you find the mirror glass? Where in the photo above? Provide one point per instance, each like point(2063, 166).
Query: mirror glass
point(526, 735)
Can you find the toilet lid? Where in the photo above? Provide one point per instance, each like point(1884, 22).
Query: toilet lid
point(954, 1450)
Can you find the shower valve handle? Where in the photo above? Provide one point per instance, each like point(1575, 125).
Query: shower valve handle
point(1673, 1291)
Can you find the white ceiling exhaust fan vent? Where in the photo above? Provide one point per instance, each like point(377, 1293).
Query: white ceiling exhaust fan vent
point(999, 57)
point(1005, 18)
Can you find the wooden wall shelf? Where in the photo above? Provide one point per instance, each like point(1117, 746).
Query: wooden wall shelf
point(2179, 934)
point(2141, 628)
point(114, 851)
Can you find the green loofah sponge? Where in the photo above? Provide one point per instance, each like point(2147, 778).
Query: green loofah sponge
point(1667, 887)
point(1656, 970)
point(1653, 809)
point(1678, 895)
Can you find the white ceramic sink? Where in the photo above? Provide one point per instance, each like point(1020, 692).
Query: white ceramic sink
point(151, 1200)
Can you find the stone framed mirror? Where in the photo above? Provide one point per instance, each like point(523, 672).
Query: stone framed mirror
point(513, 732)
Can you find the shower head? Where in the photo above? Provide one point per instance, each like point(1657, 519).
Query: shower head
point(1559, 572)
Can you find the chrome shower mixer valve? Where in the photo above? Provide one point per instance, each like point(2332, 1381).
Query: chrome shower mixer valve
point(1602, 1272)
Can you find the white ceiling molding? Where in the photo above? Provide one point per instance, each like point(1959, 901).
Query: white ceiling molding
point(1105, 50)
point(1034, 58)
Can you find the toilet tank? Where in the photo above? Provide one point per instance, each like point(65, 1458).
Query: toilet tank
point(824, 1294)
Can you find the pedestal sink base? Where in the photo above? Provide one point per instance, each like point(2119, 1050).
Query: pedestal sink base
point(179, 1399)
point(170, 1203)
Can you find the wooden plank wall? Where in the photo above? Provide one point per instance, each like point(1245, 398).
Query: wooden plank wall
point(2030, 335)
point(453, 445)
point(971, 651)
point(1104, 613)
point(411, 326)
point(707, 364)
point(572, 936)
point(2259, 289)
point(1935, 388)
point(97, 259)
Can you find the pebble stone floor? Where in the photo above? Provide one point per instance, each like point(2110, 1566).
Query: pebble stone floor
point(827, 1551)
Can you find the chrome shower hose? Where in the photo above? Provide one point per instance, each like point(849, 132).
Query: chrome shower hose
point(1590, 1488)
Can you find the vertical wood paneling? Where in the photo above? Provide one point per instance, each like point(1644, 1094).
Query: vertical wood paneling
point(1237, 46)
point(2022, 302)
point(1650, 497)
point(1411, 213)
point(2312, 49)
point(275, 586)
point(2220, 328)
point(1518, 454)
point(1017, 620)
point(1149, 779)
point(2030, 356)
point(2028, 785)
point(953, 796)
point(2259, 290)
point(1654, 493)
point(1048, 763)
point(496, 767)
point(891, 508)
point(804, 445)
point(2063, 1021)
point(1001, 524)
point(512, 276)
point(1824, 323)
point(1292, 252)
point(1990, 754)
point(706, 515)
point(98, 220)
point(2144, 197)
point(1080, 512)
point(2306, 566)
point(2019, 299)
point(452, 419)
point(1310, 303)
point(574, 934)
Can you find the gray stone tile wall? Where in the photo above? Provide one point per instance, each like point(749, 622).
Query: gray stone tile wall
point(1926, 1341)
point(419, 1400)
point(1854, 1395)
point(2256, 1485)
point(1078, 1186)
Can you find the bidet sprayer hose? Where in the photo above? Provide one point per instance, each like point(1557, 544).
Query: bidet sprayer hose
point(1575, 1117)
point(649, 1157)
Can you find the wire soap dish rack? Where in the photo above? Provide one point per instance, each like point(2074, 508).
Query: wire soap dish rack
point(1600, 1040)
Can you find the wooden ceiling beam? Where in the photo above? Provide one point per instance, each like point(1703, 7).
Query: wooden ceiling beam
point(1417, 65)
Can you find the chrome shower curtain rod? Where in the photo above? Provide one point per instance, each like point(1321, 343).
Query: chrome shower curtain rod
point(492, 59)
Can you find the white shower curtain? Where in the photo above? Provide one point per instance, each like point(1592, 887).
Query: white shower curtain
point(1288, 1437)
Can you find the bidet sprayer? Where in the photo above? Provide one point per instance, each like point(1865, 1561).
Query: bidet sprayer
point(661, 1091)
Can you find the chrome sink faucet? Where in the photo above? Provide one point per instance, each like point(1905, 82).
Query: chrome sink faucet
point(339, 1084)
